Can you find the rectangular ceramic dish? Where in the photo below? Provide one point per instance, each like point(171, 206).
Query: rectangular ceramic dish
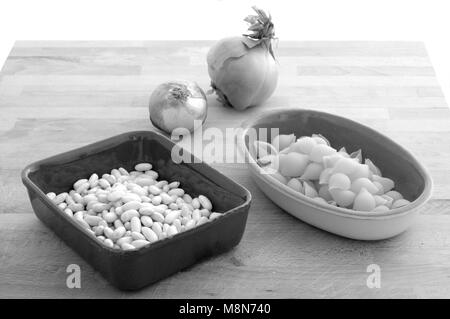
point(131, 270)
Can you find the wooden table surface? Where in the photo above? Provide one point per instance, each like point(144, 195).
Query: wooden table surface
point(56, 96)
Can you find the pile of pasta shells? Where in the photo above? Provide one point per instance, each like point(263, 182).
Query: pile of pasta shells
point(312, 167)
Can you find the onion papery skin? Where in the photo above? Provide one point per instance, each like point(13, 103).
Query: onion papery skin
point(246, 77)
point(177, 104)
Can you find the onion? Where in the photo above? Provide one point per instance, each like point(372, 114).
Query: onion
point(243, 69)
point(178, 106)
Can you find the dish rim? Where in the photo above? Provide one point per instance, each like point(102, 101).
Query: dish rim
point(300, 198)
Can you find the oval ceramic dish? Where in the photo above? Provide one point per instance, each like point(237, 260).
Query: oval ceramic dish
point(410, 177)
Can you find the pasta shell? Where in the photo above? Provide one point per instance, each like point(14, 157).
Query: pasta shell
point(380, 188)
point(303, 145)
point(400, 202)
point(343, 152)
point(381, 209)
point(295, 184)
point(361, 171)
point(319, 151)
point(379, 200)
point(309, 190)
point(388, 199)
point(331, 160)
point(339, 181)
point(293, 164)
point(325, 193)
point(320, 200)
point(343, 198)
point(394, 195)
point(345, 166)
point(282, 141)
point(363, 182)
point(364, 201)
point(374, 169)
point(325, 175)
point(357, 155)
point(312, 171)
point(387, 183)
point(320, 139)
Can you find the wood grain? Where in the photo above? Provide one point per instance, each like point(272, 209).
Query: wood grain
point(58, 95)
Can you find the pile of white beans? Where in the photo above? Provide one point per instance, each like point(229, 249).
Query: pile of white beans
point(312, 167)
point(129, 210)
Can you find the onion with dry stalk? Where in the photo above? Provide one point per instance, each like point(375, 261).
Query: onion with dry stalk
point(243, 69)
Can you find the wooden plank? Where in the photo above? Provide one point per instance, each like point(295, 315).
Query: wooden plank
point(324, 265)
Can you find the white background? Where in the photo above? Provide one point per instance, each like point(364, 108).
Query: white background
point(427, 21)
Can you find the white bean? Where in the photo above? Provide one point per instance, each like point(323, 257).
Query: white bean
point(118, 223)
point(93, 180)
point(140, 243)
point(196, 214)
point(187, 198)
point(170, 217)
point(68, 212)
point(127, 246)
point(176, 192)
point(136, 205)
point(190, 224)
point(142, 167)
point(104, 183)
point(152, 174)
point(177, 224)
point(172, 230)
point(115, 195)
point(214, 215)
point(130, 197)
point(116, 173)
point(149, 234)
point(166, 198)
point(76, 207)
point(158, 217)
point(205, 202)
point(204, 212)
point(109, 217)
point(82, 188)
point(144, 180)
point(195, 203)
point(99, 230)
point(60, 198)
point(92, 220)
point(125, 239)
point(135, 224)
point(79, 182)
point(202, 220)
point(118, 233)
point(108, 243)
point(129, 210)
point(51, 195)
point(136, 235)
point(156, 227)
point(146, 221)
